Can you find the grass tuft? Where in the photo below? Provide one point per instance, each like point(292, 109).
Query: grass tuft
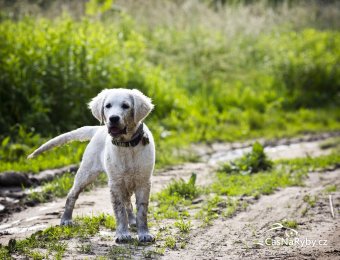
point(170, 242)
point(119, 252)
point(331, 188)
point(186, 190)
point(311, 200)
point(250, 163)
point(172, 200)
point(290, 223)
point(183, 226)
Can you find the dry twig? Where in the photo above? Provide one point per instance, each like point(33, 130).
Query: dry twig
point(331, 205)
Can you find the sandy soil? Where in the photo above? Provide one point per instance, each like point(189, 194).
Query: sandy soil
point(241, 237)
point(232, 238)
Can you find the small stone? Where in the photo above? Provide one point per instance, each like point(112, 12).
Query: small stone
point(2, 207)
point(196, 201)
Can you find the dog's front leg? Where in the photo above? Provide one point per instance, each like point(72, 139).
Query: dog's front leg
point(142, 201)
point(118, 199)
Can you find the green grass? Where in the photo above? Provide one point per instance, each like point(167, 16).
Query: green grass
point(170, 242)
point(232, 206)
point(59, 187)
point(153, 253)
point(250, 163)
point(182, 189)
point(284, 173)
point(183, 226)
point(119, 252)
point(215, 206)
point(85, 248)
point(54, 239)
point(207, 213)
point(172, 200)
point(261, 183)
point(331, 188)
point(208, 82)
point(59, 157)
point(312, 163)
point(290, 223)
point(311, 200)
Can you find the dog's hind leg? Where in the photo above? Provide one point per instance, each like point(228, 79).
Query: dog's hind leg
point(83, 178)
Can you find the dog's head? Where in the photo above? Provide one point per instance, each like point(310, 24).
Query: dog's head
point(121, 110)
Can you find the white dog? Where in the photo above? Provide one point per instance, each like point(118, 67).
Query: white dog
point(123, 148)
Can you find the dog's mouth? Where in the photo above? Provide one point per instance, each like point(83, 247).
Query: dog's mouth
point(115, 131)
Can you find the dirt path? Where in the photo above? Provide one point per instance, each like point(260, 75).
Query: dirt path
point(24, 223)
point(240, 237)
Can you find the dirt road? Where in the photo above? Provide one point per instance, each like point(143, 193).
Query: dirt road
point(237, 237)
point(246, 235)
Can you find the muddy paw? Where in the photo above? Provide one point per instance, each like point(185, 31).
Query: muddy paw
point(146, 237)
point(123, 238)
point(66, 222)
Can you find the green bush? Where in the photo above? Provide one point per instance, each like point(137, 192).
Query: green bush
point(207, 84)
point(306, 66)
point(50, 69)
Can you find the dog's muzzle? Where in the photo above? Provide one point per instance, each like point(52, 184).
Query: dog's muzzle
point(115, 131)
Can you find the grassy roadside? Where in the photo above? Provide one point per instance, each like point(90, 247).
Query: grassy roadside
point(177, 209)
point(222, 197)
point(59, 188)
point(256, 162)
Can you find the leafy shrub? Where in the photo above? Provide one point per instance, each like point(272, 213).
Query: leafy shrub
point(49, 69)
point(250, 163)
point(11, 149)
point(206, 85)
point(306, 66)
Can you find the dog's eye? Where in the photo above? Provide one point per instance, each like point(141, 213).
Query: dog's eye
point(108, 105)
point(125, 106)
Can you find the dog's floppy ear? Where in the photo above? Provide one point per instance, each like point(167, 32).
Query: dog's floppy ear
point(142, 105)
point(97, 105)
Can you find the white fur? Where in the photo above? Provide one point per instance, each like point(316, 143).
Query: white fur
point(128, 168)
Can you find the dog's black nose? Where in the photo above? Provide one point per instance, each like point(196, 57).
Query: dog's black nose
point(114, 119)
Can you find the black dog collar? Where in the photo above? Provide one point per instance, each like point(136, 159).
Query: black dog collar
point(138, 136)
